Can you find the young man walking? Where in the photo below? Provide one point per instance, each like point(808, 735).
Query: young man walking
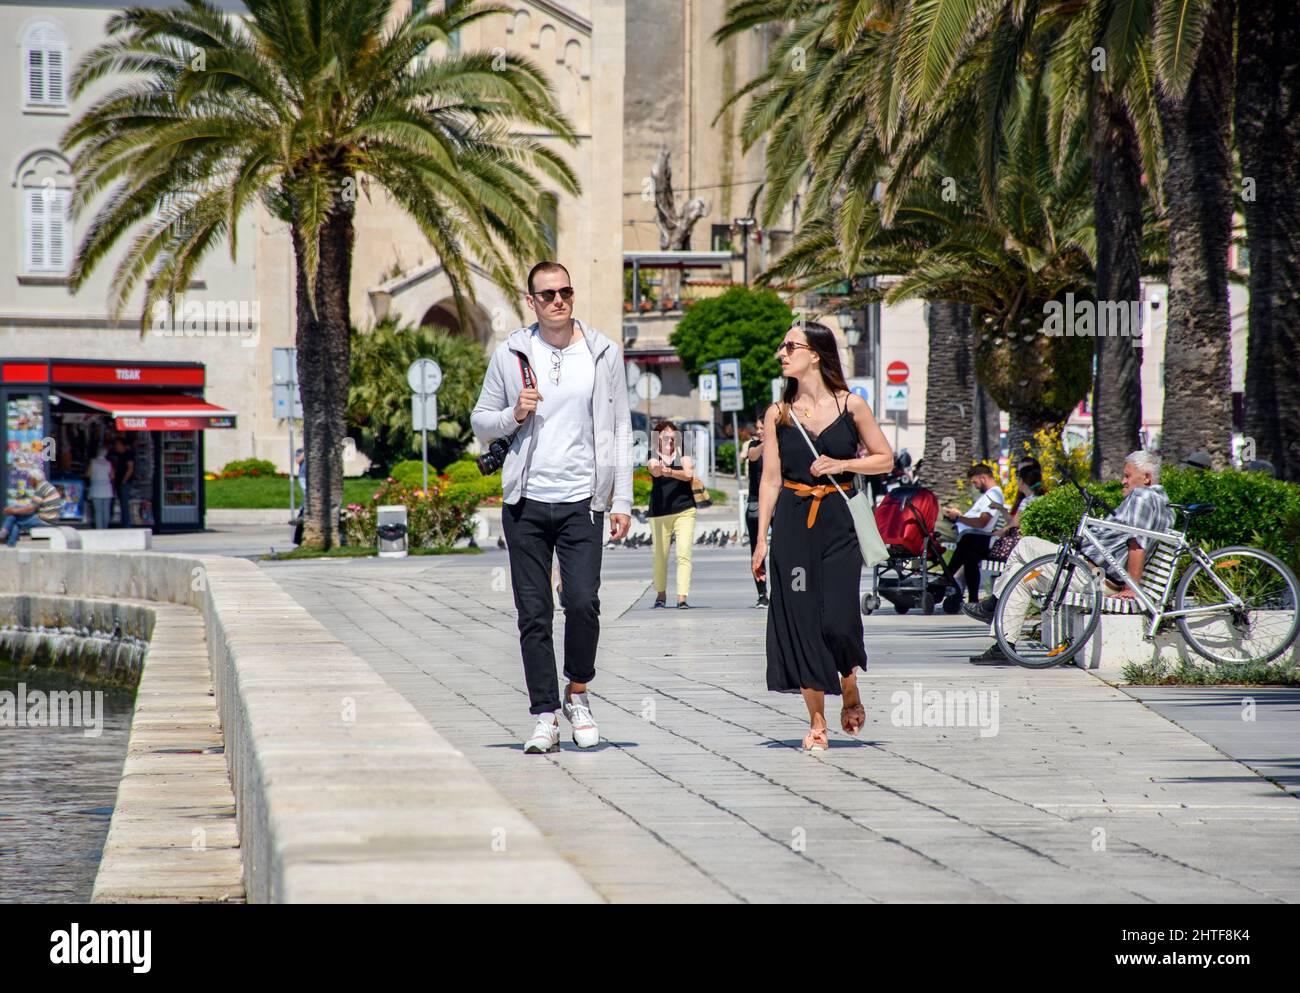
point(557, 390)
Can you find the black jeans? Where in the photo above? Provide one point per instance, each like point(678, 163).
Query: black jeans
point(751, 525)
point(124, 503)
point(535, 531)
point(972, 549)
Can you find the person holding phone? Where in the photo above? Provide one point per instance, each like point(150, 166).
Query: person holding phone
point(672, 512)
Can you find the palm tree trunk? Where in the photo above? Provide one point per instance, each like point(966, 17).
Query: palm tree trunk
point(949, 387)
point(986, 427)
point(1268, 138)
point(1197, 412)
point(324, 351)
point(1117, 209)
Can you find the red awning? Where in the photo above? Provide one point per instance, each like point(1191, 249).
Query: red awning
point(155, 411)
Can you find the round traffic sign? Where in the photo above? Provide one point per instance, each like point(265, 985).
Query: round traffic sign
point(896, 372)
point(427, 370)
point(649, 386)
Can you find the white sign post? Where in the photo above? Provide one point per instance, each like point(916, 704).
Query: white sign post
point(424, 376)
point(731, 399)
point(286, 402)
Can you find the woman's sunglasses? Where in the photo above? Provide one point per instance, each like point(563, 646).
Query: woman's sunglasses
point(548, 296)
point(789, 346)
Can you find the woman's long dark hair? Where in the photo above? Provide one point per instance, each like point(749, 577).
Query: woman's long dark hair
point(821, 340)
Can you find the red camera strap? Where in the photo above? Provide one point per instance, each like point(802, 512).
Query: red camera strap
point(526, 372)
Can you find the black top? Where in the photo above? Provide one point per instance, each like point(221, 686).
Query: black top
point(121, 461)
point(755, 474)
point(670, 496)
point(838, 440)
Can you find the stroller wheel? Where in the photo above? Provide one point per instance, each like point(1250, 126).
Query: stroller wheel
point(952, 603)
point(867, 605)
point(927, 604)
point(902, 605)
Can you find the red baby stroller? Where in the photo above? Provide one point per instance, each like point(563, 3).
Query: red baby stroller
point(915, 572)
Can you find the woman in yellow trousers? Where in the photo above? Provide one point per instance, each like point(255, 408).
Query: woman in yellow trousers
point(672, 512)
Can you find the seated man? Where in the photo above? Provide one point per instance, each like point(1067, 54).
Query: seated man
point(975, 528)
point(41, 507)
point(1145, 506)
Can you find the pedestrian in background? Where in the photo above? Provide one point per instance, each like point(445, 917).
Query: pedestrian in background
point(754, 466)
point(100, 476)
point(672, 512)
point(123, 459)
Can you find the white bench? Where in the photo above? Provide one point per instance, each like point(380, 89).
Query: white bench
point(63, 538)
point(1121, 634)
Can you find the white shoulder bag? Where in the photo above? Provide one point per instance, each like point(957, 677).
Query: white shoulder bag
point(864, 521)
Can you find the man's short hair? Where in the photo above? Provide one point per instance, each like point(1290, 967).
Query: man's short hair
point(666, 425)
point(542, 267)
point(980, 469)
point(1145, 462)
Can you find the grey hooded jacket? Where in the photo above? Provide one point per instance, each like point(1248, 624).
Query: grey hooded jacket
point(494, 417)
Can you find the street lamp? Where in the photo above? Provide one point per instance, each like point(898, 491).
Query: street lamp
point(745, 223)
point(852, 333)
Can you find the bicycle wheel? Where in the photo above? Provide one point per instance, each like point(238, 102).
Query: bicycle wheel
point(1051, 633)
point(1257, 632)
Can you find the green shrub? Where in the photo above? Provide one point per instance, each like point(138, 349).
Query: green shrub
point(642, 481)
point(435, 518)
point(248, 467)
point(1251, 508)
point(725, 459)
point(1056, 513)
point(411, 472)
point(464, 471)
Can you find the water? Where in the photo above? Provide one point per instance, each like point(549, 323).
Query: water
point(57, 790)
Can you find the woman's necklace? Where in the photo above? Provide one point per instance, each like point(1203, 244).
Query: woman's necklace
point(808, 411)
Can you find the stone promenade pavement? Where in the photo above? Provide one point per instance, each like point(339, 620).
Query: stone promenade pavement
point(1053, 787)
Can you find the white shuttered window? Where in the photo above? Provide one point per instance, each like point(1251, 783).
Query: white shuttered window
point(49, 231)
point(45, 59)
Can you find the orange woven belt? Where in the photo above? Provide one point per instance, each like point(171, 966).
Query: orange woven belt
point(816, 492)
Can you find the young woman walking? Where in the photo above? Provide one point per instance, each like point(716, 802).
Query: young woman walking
point(814, 629)
point(672, 512)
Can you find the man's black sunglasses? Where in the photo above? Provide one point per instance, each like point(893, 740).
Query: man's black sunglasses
point(547, 296)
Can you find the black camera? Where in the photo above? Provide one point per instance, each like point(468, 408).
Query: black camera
point(495, 457)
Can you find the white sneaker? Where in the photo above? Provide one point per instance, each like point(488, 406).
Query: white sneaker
point(578, 713)
point(545, 737)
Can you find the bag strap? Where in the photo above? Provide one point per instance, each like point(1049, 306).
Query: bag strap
point(813, 448)
point(530, 382)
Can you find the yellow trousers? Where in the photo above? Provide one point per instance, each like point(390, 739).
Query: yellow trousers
point(682, 525)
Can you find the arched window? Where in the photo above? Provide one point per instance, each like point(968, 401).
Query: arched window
point(45, 59)
point(45, 184)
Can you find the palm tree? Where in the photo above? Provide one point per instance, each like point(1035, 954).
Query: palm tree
point(1006, 266)
point(1268, 139)
point(298, 107)
point(1194, 62)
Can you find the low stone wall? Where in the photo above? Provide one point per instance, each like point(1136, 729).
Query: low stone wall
point(343, 791)
point(101, 641)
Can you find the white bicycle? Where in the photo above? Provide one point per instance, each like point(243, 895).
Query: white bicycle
point(1231, 605)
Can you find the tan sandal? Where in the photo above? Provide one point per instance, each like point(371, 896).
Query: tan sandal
point(852, 718)
point(816, 740)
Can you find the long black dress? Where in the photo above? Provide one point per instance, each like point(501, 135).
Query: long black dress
point(814, 629)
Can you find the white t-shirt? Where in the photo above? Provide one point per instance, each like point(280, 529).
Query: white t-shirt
point(101, 479)
point(564, 450)
point(986, 504)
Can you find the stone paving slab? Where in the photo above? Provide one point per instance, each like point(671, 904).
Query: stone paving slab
point(173, 836)
point(699, 791)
